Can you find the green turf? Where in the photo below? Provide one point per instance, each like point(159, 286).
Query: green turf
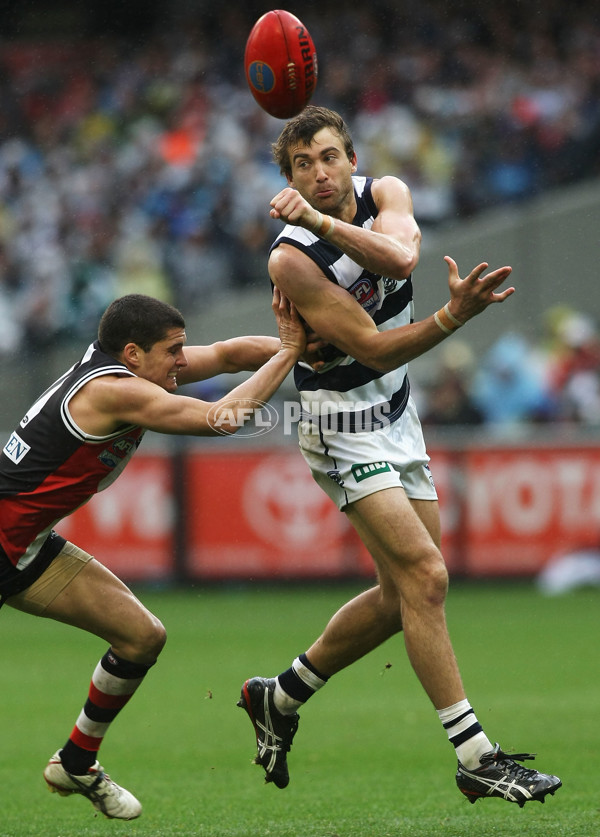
point(370, 759)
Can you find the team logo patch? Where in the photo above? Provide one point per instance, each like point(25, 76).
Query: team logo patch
point(16, 448)
point(335, 476)
point(371, 469)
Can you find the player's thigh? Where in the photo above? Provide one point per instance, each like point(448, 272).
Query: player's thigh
point(409, 565)
point(393, 530)
point(96, 601)
point(36, 598)
point(429, 513)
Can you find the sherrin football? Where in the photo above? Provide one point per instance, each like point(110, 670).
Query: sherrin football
point(281, 64)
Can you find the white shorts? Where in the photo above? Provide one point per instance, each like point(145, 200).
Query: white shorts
point(349, 466)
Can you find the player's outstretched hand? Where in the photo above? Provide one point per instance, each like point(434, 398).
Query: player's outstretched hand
point(472, 295)
point(291, 328)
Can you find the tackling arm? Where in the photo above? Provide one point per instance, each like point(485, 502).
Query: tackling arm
point(239, 354)
point(108, 402)
point(113, 401)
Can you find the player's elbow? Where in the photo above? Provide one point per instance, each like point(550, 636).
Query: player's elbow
point(411, 262)
point(408, 259)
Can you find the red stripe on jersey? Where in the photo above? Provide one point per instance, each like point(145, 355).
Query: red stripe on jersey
point(89, 469)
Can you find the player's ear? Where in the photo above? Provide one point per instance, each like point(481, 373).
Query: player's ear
point(131, 355)
point(353, 162)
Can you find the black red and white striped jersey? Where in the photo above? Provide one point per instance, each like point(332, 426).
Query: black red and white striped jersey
point(49, 467)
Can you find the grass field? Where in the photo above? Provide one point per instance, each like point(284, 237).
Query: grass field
point(370, 758)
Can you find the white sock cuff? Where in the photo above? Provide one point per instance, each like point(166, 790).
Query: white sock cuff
point(111, 685)
point(307, 676)
point(450, 713)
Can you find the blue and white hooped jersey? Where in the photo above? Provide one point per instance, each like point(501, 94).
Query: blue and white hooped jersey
point(350, 394)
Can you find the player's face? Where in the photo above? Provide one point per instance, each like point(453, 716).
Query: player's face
point(322, 173)
point(164, 360)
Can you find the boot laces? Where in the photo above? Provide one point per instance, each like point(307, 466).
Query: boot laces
point(508, 761)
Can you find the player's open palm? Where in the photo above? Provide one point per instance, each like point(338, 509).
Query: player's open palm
point(471, 295)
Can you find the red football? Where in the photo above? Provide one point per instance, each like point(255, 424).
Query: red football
point(281, 64)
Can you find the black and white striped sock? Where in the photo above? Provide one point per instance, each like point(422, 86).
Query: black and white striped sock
point(465, 733)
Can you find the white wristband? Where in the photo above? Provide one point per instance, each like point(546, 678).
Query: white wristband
point(451, 317)
point(322, 220)
point(439, 323)
point(446, 321)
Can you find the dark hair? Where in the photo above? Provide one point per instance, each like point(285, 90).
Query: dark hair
point(139, 319)
point(302, 129)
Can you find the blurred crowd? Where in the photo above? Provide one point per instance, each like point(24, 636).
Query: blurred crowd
point(518, 381)
point(144, 165)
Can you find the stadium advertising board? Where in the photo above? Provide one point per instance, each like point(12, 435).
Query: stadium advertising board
point(130, 526)
point(260, 515)
point(523, 507)
point(256, 514)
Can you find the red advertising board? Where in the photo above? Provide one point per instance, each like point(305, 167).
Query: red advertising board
point(261, 514)
point(525, 506)
point(129, 527)
point(257, 513)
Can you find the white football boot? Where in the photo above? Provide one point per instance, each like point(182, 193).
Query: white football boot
point(105, 795)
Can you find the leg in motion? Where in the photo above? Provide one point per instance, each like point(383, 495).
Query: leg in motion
point(403, 538)
point(422, 580)
point(75, 768)
point(272, 703)
point(96, 601)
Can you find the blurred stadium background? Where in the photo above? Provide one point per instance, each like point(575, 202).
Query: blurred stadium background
point(133, 158)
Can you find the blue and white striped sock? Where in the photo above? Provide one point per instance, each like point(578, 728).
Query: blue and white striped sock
point(296, 685)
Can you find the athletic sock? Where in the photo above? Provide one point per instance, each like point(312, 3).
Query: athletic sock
point(296, 685)
point(465, 733)
point(113, 683)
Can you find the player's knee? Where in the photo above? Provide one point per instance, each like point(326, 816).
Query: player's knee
point(151, 638)
point(434, 579)
point(424, 578)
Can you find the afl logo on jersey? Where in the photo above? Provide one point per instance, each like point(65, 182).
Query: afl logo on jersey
point(117, 451)
point(365, 293)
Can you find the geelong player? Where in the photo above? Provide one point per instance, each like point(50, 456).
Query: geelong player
point(345, 259)
point(74, 441)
